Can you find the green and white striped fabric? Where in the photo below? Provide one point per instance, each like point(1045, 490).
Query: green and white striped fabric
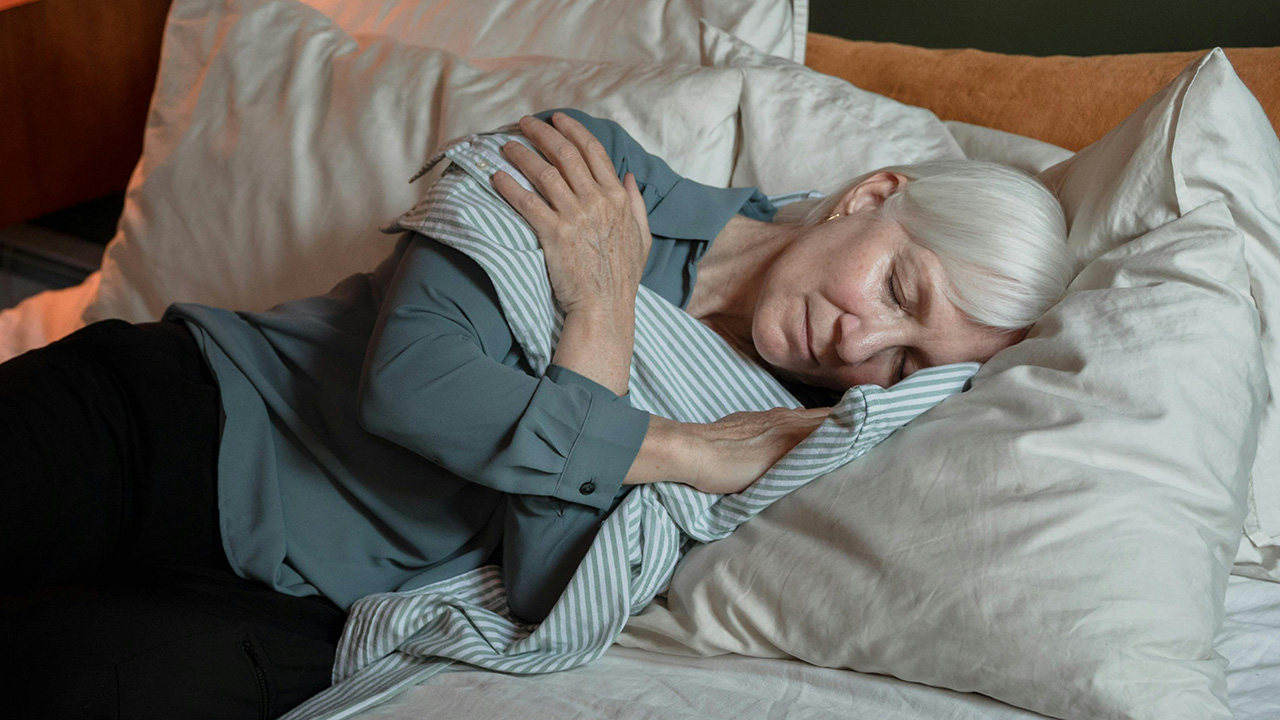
point(681, 370)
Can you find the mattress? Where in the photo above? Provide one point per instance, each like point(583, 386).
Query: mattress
point(640, 684)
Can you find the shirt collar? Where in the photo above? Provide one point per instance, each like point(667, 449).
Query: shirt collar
point(693, 211)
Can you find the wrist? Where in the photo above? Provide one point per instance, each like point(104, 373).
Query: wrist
point(598, 346)
point(684, 452)
point(668, 454)
point(604, 314)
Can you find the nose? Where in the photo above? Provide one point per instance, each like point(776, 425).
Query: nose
point(861, 337)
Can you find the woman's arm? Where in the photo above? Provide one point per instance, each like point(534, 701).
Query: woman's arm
point(434, 382)
point(594, 232)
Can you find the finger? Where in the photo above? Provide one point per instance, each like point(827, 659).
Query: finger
point(530, 206)
point(592, 150)
point(560, 152)
point(544, 176)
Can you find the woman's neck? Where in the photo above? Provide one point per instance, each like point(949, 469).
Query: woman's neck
point(731, 275)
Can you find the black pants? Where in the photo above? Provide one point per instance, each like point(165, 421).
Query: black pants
point(116, 598)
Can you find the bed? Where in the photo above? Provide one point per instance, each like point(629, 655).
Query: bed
point(1093, 531)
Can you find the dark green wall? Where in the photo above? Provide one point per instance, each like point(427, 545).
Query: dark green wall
point(1054, 27)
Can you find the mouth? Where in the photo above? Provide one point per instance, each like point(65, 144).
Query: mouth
point(808, 335)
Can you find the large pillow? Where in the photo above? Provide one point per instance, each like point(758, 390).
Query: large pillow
point(606, 30)
point(1259, 554)
point(832, 131)
point(1059, 537)
point(277, 145)
point(984, 143)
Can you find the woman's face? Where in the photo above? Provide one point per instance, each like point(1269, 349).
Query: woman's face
point(870, 303)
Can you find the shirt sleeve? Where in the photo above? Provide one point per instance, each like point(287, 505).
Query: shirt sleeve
point(434, 382)
point(677, 206)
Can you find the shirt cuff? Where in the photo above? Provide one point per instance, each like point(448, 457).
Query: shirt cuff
point(606, 447)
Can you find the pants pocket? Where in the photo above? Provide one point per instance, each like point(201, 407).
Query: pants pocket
point(220, 675)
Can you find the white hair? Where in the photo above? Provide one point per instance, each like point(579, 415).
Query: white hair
point(998, 232)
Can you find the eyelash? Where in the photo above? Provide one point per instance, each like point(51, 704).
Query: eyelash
point(902, 366)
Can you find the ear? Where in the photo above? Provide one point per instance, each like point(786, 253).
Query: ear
point(871, 192)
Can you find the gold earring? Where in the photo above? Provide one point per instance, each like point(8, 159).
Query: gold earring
point(832, 216)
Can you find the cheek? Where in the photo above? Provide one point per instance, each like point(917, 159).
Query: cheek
point(765, 332)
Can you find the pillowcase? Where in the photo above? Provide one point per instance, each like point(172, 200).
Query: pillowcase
point(1259, 555)
point(830, 131)
point(601, 30)
point(984, 143)
point(1058, 537)
point(277, 146)
point(1224, 150)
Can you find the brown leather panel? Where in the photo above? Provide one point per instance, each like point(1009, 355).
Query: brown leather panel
point(75, 84)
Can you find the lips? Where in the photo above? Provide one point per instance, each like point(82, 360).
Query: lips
point(808, 335)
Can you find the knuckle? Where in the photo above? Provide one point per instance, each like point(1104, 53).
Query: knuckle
point(595, 147)
point(566, 152)
point(531, 205)
point(548, 174)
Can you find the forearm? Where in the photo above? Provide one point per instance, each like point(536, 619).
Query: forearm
point(598, 346)
point(667, 454)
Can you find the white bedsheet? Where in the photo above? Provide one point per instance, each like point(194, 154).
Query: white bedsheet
point(640, 684)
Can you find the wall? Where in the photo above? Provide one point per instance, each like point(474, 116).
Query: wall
point(1054, 27)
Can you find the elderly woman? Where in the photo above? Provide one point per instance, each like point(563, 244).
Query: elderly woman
point(209, 494)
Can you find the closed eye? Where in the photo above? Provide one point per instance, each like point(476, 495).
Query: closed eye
point(902, 360)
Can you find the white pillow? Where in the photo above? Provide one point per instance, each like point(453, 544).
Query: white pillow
point(276, 147)
point(1257, 558)
point(803, 130)
point(1058, 537)
point(992, 145)
point(612, 30)
point(1225, 150)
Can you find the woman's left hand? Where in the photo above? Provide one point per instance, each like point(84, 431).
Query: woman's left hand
point(593, 228)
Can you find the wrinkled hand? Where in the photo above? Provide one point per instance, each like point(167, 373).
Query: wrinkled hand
point(738, 449)
point(594, 229)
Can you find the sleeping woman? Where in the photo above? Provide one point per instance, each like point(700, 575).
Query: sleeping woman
point(191, 506)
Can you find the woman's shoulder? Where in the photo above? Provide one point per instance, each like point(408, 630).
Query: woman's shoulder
point(627, 154)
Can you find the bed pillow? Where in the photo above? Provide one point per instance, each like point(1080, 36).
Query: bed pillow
point(1259, 554)
point(277, 145)
point(1058, 537)
point(803, 130)
point(1224, 149)
point(604, 30)
point(984, 143)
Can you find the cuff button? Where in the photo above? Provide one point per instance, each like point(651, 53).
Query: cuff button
point(587, 488)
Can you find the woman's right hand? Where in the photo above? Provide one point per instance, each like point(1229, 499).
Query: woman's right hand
point(738, 449)
point(593, 227)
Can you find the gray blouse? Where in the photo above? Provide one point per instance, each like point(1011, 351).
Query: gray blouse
point(371, 434)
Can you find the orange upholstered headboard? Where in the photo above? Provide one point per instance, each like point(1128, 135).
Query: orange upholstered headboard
point(1067, 101)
